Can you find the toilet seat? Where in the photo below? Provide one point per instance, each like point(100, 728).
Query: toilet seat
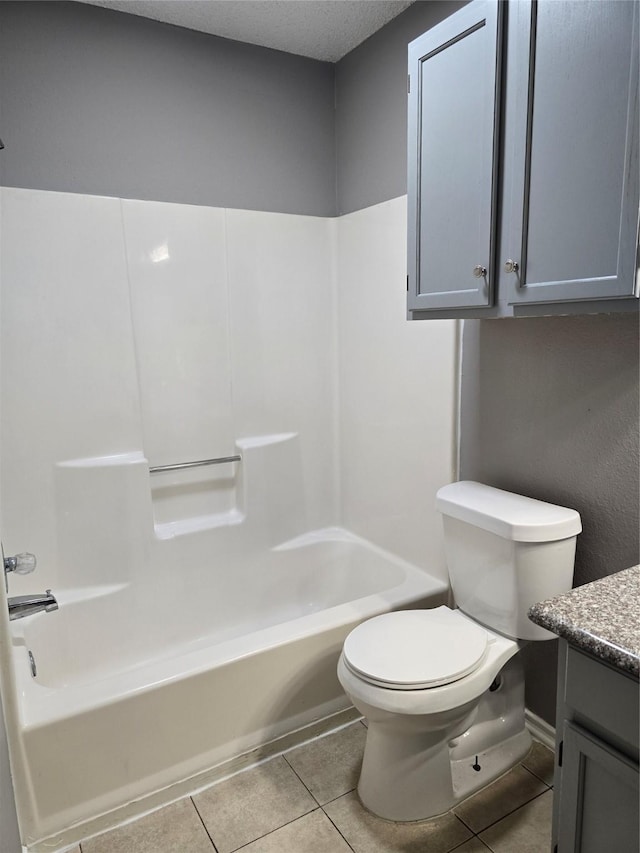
point(416, 649)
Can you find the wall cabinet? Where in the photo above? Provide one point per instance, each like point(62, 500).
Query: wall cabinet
point(596, 778)
point(523, 179)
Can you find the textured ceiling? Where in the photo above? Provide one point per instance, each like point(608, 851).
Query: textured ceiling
point(320, 29)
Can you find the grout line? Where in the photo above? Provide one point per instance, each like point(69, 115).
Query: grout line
point(284, 755)
point(337, 828)
point(301, 780)
point(520, 764)
point(277, 829)
point(203, 824)
point(513, 811)
point(466, 824)
point(535, 776)
point(333, 799)
point(474, 837)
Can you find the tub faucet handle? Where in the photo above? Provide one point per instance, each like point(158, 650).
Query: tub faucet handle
point(21, 564)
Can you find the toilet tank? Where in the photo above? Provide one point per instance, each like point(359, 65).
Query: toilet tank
point(504, 553)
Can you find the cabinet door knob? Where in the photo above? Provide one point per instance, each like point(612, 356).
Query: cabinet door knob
point(511, 266)
point(479, 271)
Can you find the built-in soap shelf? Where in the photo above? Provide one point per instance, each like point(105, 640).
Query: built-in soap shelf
point(109, 504)
point(193, 496)
point(185, 526)
point(115, 460)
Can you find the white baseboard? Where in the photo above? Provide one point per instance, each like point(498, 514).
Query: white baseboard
point(539, 729)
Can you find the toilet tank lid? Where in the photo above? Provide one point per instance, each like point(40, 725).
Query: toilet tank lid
point(506, 514)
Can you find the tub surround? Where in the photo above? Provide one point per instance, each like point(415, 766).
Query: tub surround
point(599, 618)
point(212, 603)
point(310, 339)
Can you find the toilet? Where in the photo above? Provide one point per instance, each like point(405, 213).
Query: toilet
point(442, 689)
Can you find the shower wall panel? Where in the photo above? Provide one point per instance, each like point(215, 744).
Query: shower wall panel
point(281, 287)
point(177, 266)
point(136, 331)
point(397, 393)
point(69, 386)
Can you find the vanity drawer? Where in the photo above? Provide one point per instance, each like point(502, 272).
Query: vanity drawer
point(604, 699)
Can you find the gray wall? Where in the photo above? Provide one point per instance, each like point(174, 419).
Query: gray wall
point(371, 109)
point(101, 102)
point(550, 409)
point(96, 101)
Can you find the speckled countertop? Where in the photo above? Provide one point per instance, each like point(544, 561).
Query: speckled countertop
point(602, 618)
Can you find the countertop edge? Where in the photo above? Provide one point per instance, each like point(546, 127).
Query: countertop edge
point(585, 641)
point(599, 618)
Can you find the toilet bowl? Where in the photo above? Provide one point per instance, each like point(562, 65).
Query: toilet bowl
point(415, 713)
point(442, 690)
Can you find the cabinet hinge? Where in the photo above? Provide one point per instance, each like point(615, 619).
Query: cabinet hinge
point(408, 84)
point(560, 750)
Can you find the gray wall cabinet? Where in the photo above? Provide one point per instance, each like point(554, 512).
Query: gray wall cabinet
point(523, 179)
point(596, 776)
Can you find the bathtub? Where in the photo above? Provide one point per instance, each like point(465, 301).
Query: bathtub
point(142, 691)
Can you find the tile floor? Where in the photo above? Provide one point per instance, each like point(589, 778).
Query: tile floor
point(305, 802)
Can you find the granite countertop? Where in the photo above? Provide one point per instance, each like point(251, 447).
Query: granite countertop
point(601, 618)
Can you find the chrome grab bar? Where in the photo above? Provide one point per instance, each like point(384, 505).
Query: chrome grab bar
point(158, 469)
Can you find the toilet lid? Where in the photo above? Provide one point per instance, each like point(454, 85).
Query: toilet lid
point(416, 649)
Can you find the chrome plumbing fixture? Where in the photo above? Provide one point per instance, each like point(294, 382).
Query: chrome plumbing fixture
point(21, 564)
point(26, 605)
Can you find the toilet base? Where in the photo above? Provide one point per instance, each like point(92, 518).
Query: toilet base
point(493, 762)
point(405, 772)
point(422, 781)
point(417, 767)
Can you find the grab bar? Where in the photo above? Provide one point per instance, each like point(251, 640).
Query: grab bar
point(158, 469)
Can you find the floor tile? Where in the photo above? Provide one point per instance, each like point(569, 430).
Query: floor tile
point(506, 794)
point(369, 834)
point(527, 830)
point(173, 829)
point(330, 766)
point(313, 833)
point(474, 845)
point(539, 761)
point(252, 803)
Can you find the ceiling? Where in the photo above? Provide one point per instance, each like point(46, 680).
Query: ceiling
point(320, 29)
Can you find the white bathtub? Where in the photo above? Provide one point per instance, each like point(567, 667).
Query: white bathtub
point(141, 689)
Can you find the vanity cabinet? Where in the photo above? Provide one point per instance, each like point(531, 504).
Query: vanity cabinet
point(596, 776)
point(523, 179)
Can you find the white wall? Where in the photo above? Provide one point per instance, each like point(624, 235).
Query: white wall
point(397, 386)
point(176, 330)
point(168, 329)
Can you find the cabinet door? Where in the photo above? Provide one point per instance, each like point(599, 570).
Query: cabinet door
point(574, 226)
point(598, 797)
point(453, 146)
